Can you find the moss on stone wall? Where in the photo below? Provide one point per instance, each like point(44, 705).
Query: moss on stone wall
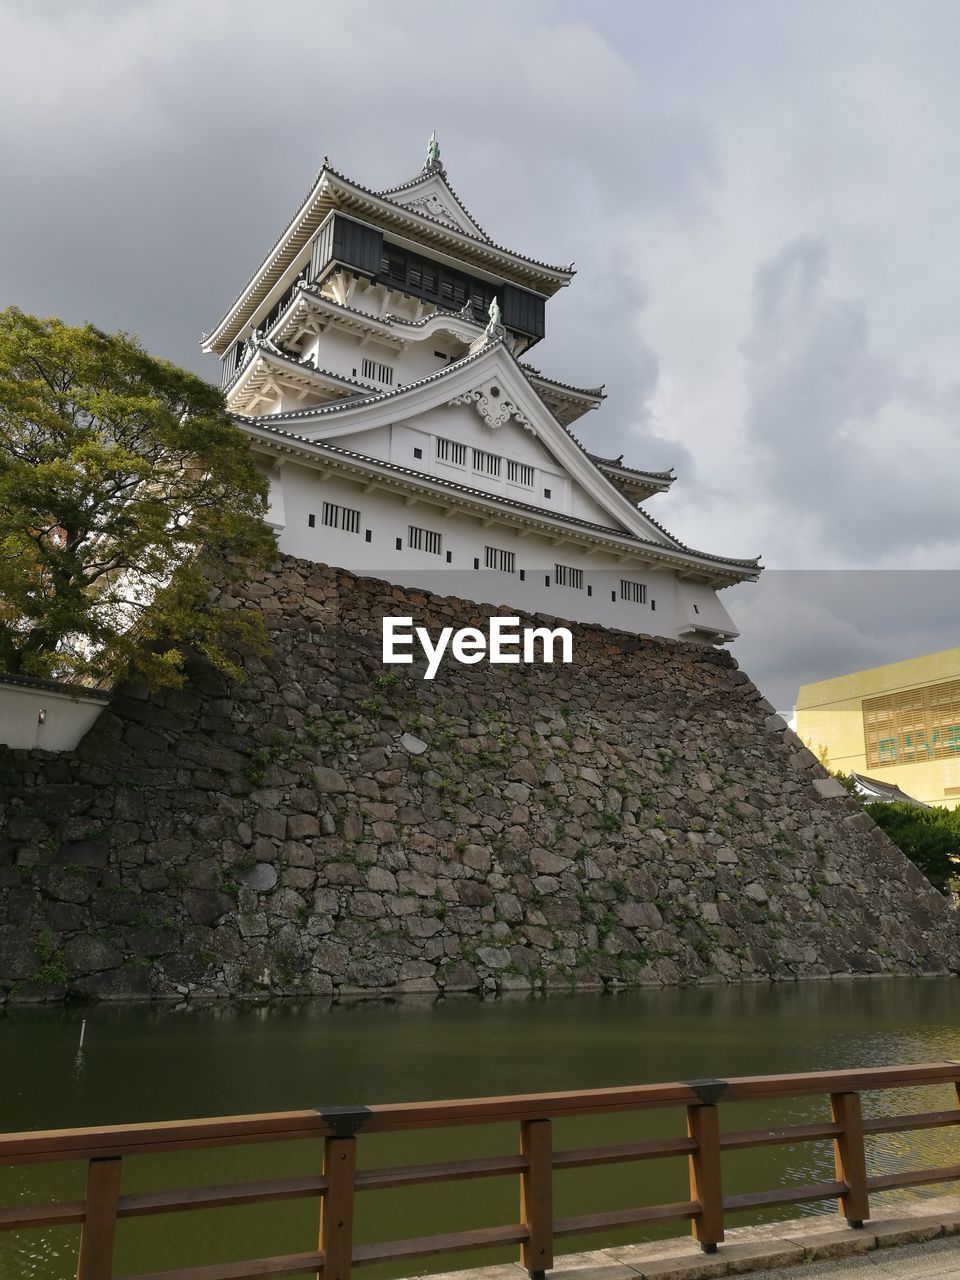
point(334, 826)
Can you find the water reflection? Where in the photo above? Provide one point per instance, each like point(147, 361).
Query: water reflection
point(165, 1061)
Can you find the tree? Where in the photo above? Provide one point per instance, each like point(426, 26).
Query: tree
point(929, 837)
point(124, 489)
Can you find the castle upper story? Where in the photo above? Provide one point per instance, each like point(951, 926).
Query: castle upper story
point(378, 359)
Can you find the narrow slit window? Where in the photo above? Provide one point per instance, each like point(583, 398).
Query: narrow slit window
point(337, 517)
point(419, 539)
point(566, 576)
point(376, 371)
point(635, 592)
point(486, 464)
point(519, 473)
point(497, 558)
point(451, 452)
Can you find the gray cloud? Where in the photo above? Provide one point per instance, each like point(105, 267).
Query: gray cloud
point(835, 420)
point(761, 200)
point(805, 625)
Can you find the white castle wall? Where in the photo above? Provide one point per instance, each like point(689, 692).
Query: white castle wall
point(300, 493)
point(51, 719)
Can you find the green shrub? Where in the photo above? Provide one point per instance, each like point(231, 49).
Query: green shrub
point(929, 837)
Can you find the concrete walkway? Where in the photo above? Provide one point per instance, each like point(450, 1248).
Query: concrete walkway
point(911, 1242)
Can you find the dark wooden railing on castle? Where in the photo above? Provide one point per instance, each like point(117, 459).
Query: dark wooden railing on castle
point(536, 1229)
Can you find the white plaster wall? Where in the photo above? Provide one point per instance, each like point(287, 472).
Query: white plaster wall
point(699, 607)
point(387, 518)
point(463, 424)
point(46, 718)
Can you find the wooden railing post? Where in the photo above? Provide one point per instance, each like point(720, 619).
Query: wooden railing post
point(706, 1184)
point(336, 1213)
point(100, 1219)
point(850, 1158)
point(536, 1197)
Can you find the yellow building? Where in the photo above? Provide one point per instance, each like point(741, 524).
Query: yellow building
point(899, 723)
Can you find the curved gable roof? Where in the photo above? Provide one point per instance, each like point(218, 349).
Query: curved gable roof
point(333, 191)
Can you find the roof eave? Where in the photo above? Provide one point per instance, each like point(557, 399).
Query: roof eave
point(715, 575)
point(329, 180)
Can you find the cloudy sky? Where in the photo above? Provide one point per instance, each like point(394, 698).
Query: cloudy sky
point(762, 199)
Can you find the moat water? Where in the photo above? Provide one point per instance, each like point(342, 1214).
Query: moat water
point(144, 1063)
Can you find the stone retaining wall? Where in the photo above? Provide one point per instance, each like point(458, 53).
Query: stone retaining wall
point(337, 826)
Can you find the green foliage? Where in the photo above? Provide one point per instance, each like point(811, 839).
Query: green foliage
point(51, 970)
point(846, 781)
point(124, 488)
point(929, 837)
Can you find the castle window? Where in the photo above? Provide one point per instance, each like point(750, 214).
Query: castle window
point(547, 493)
point(520, 473)
point(635, 592)
point(419, 539)
point(486, 464)
point(451, 452)
point(311, 521)
point(377, 372)
point(337, 517)
point(495, 558)
point(566, 576)
point(418, 453)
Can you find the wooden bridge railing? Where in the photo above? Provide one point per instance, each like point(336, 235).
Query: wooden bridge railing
point(537, 1228)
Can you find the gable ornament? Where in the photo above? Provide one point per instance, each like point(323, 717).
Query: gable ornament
point(493, 406)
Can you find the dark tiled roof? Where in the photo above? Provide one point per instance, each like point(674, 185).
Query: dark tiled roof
point(355, 402)
point(425, 175)
point(888, 792)
point(500, 500)
point(390, 320)
point(633, 471)
point(288, 357)
point(96, 690)
point(589, 393)
point(483, 244)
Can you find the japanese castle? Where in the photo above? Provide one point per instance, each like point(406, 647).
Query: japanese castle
point(378, 362)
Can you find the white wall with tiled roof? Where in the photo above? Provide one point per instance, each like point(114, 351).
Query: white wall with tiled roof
point(385, 517)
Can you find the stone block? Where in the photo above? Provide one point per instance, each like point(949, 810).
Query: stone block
point(829, 788)
point(328, 781)
point(261, 877)
point(894, 1231)
point(840, 1242)
point(753, 1256)
point(300, 826)
point(270, 823)
point(87, 954)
